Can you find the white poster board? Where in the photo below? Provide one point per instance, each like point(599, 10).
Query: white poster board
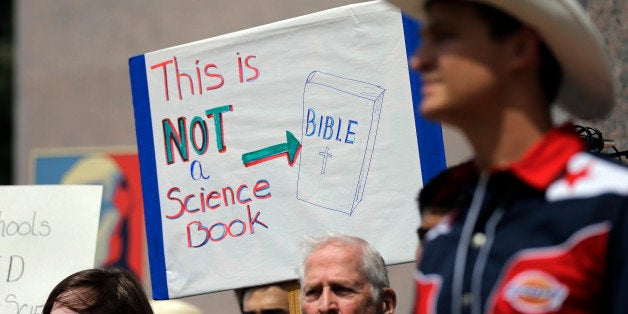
point(251, 140)
point(47, 232)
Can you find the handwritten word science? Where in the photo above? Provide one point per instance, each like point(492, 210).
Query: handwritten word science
point(199, 233)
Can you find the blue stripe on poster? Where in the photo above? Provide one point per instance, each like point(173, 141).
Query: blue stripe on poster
point(148, 169)
point(429, 134)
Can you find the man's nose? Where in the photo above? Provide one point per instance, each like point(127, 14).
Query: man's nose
point(327, 302)
point(422, 60)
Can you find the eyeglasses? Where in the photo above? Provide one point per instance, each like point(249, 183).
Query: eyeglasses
point(421, 231)
point(268, 311)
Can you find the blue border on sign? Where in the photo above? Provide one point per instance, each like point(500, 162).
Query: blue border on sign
point(429, 134)
point(148, 170)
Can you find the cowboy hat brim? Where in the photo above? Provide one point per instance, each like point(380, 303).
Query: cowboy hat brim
point(587, 89)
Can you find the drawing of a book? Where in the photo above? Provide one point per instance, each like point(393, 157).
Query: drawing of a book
point(339, 129)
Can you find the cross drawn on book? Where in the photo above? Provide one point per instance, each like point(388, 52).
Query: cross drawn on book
point(326, 155)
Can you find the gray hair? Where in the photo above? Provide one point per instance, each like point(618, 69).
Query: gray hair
point(373, 266)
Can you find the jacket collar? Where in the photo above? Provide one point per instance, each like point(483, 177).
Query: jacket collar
point(547, 159)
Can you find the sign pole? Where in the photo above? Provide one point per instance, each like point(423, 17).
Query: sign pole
point(294, 290)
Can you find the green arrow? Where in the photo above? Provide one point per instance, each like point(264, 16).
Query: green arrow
point(290, 148)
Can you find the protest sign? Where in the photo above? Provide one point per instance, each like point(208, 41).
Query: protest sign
point(47, 233)
point(252, 140)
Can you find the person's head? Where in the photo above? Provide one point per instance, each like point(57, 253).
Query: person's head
point(440, 196)
point(113, 290)
point(474, 58)
point(474, 52)
point(435, 200)
point(344, 274)
point(265, 299)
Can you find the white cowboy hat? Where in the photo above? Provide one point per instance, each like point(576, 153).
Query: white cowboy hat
point(587, 87)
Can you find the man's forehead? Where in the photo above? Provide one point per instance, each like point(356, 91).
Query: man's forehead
point(337, 266)
point(445, 9)
point(332, 266)
point(451, 15)
point(271, 296)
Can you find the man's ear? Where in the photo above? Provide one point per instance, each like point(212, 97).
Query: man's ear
point(524, 49)
point(389, 301)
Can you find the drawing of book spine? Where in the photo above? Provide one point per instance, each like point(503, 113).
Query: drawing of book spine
point(339, 129)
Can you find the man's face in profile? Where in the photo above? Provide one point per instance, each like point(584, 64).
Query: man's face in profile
point(463, 69)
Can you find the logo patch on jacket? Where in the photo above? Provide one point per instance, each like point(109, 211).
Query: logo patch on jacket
point(534, 291)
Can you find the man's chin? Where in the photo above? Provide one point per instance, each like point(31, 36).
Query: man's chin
point(430, 110)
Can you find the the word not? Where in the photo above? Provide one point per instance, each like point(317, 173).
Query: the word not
point(328, 126)
point(9, 228)
point(212, 200)
point(194, 134)
point(199, 235)
point(23, 308)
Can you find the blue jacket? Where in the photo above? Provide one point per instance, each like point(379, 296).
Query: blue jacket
point(549, 234)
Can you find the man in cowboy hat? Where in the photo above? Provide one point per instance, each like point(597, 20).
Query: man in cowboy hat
point(546, 230)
